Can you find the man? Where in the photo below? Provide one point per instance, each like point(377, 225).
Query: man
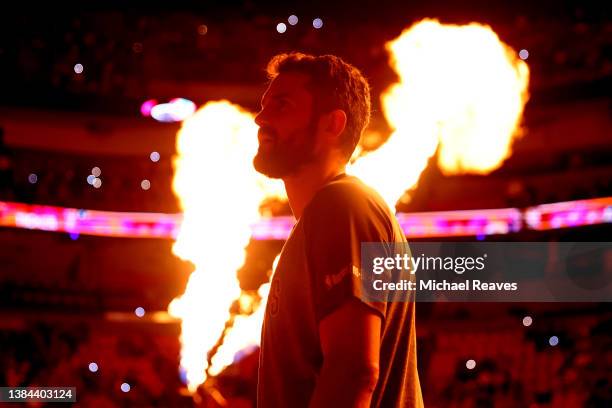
point(323, 344)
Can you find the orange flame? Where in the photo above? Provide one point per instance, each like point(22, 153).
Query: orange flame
point(220, 193)
point(461, 91)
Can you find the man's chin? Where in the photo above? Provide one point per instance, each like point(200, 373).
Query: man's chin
point(270, 167)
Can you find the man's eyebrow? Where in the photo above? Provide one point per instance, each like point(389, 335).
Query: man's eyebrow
point(278, 95)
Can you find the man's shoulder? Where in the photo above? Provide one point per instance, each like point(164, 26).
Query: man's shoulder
point(350, 203)
point(346, 192)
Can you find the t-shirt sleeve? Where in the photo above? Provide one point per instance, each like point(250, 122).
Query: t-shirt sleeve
point(336, 222)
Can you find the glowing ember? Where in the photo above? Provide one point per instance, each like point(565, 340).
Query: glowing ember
point(461, 91)
point(220, 193)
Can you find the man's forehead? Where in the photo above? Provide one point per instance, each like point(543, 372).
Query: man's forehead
point(287, 84)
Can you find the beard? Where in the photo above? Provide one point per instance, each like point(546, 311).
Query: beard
point(280, 158)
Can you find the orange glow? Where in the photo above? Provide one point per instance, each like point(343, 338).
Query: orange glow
point(220, 193)
point(461, 91)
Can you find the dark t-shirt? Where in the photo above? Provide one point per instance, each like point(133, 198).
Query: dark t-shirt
point(317, 272)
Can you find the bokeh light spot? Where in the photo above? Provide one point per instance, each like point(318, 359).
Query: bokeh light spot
point(139, 311)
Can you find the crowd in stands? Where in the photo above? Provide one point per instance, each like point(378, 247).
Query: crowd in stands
point(53, 271)
point(51, 353)
point(121, 52)
point(520, 366)
point(471, 361)
point(586, 175)
point(60, 179)
point(511, 365)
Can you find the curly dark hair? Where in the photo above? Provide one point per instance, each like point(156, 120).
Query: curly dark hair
point(334, 84)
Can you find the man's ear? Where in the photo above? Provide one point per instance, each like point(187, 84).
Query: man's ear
point(334, 123)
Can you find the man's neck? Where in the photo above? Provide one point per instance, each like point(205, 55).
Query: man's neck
point(301, 187)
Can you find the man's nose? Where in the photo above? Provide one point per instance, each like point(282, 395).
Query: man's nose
point(260, 118)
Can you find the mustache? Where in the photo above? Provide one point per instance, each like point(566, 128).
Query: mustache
point(267, 131)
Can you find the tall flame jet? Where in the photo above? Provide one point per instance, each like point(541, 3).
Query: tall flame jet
point(220, 193)
point(461, 91)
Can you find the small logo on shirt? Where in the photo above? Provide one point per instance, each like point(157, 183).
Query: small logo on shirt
point(333, 279)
